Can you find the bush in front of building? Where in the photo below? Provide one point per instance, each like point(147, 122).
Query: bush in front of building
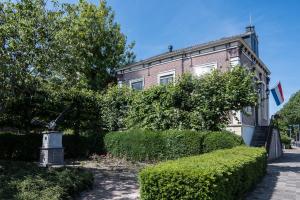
point(198, 103)
point(147, 145)
point(223, 174)
point(221, 140)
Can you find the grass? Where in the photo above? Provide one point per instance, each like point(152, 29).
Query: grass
point(26, 181)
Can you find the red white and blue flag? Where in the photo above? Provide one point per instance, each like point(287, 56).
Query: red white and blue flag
point(278, 94)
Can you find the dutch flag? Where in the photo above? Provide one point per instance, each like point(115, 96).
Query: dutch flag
point(278, 94)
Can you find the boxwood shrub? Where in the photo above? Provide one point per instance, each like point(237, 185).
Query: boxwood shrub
point(220, 175)
point(146, 145)
point(221, 140)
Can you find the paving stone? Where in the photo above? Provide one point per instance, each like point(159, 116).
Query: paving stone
point(282, 181)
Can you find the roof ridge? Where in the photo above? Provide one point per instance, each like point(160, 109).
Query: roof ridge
point(190, 48)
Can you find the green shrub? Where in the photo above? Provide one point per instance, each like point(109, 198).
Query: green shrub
point(20, 147)
point(135, 145)
point(219, 175)
point(286, 141)
point(221, 140)
point(27, 147)
point(146, 145)
point(115, 105)
point(27, 181)
point(198, 103)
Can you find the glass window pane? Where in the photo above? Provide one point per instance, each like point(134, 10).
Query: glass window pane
point(166, 79)
point(137, 85)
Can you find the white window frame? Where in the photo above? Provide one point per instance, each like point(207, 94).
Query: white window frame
point(236, 61)
point(248, 110)
point(120, 84)
point(166, 73)
point(137, 80)
point(213, 64)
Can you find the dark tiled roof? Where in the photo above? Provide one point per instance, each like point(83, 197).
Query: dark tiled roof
point(187, 49)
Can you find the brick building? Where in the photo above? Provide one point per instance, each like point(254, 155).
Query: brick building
point(222, 54)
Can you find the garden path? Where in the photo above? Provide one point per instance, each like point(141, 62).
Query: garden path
point(114, 180)
point(282, 181)
point(117, 179)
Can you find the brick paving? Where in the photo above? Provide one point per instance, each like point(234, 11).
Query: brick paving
point(282, 181)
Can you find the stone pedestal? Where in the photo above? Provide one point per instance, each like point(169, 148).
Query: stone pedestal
point(52, 151)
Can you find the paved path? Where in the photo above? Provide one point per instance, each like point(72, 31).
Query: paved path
point(113, 181)
point(282, 181)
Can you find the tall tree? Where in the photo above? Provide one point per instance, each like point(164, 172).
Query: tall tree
point(290, 113)
point(48, 48)
point(95, 41)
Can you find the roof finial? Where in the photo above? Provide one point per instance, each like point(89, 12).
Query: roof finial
point(250, 19)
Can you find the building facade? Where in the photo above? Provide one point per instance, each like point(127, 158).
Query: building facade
point(222, 54)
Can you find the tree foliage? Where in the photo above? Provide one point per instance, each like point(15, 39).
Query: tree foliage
point(55, 55)
point(290, 113)
point(193, 103)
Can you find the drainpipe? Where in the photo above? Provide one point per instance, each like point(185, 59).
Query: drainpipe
point(182, 64)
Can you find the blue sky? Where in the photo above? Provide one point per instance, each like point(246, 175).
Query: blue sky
point(155, 24)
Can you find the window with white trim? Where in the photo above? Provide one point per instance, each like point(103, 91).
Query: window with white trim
point(248, 110)
point(137, 84)
point(166, 78)
point(203, 69)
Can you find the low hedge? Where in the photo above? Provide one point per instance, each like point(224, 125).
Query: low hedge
point(146, 145)
point(221, 140)
point(27, 181)
point(27, 147)
point(219, 175)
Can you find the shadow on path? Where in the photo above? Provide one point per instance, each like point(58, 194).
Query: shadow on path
point(282, 181)
point(112, 182)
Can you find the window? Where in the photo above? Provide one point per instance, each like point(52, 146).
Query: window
point(120, 84)
point(235, 61)
point(166, 78)
point(137, 84)
point(248, 110)
point(200, 70)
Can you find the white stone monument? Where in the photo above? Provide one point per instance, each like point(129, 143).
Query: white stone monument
point(52, 151)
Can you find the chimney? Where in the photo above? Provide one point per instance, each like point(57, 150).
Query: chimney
point(170, 47)
point(250, 29)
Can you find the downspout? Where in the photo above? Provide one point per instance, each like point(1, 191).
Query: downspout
point(182, 64)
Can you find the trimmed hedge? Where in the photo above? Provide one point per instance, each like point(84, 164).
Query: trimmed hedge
point(219, 175)
point(146, 145)
point(221, 140)
point(27, 147)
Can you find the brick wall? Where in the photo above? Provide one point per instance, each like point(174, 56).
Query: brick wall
point(180, 66)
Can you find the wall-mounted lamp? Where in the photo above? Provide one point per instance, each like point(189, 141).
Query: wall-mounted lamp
point(268, 80)
point(267, 92)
